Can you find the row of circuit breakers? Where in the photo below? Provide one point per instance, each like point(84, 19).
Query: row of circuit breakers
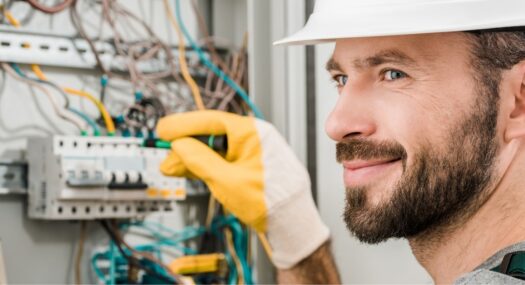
point(74, 177)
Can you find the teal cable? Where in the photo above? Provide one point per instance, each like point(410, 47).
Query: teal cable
point(111, 263)
point(99, 273)
point(239, 91)
point(233, 223)
point(91, 122)
point(174, 239)
point(232, 276)
point(236, 228)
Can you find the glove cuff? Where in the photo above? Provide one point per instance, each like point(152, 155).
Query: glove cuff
point(295, 230)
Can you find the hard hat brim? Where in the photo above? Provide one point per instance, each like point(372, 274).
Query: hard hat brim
point(408, 19)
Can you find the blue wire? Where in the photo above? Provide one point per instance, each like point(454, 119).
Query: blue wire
point(174, 237)
point(112, 263)
point(239, 233)
point(232, 274)
point(99, 273)
point(240, 245)
point(91, 122)
point(213, 67)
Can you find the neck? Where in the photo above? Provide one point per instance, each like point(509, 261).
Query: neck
point(448, 253)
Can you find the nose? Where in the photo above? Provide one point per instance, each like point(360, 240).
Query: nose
point(351, 117)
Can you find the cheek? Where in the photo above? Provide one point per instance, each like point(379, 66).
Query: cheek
point(416, 121)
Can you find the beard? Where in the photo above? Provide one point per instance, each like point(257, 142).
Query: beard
point(438, 189)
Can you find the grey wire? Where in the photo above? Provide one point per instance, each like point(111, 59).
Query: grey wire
point(25, 128)
point(57, 88)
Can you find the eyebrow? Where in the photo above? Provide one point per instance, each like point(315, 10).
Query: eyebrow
point(382, 57)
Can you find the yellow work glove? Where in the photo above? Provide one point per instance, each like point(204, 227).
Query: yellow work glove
point(259, 179)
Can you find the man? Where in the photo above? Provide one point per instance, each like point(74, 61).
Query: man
point(430, 130)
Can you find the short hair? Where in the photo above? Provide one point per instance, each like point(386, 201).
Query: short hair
point(493, 52)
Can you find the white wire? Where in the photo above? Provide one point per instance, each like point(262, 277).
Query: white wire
point(61, 112)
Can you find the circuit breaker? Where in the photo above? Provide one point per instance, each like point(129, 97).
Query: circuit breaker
point(73, 177)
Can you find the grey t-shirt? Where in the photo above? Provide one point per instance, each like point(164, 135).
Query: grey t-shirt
point(483, 275)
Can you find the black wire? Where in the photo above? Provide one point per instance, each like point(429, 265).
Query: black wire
point(130, 258)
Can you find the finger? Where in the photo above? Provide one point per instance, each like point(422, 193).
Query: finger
point(173, 166)
point(190, 156)
point(208, 122)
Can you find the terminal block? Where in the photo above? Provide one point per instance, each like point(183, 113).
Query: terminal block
point(73, 177)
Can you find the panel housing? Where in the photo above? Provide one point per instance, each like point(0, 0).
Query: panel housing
point(73, 177)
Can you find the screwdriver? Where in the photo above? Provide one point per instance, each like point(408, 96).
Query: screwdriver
point(217, 143)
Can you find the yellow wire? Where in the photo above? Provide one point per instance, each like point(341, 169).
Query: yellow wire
point(182, 58)
point(211, 210)
point(231, 249)
point(11, 19)
point(265, 244)
point(38, 72)
point(105, 114)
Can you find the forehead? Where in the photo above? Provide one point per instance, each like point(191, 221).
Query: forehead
point(426, 49)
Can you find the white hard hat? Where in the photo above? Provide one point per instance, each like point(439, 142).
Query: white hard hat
point(338, 19)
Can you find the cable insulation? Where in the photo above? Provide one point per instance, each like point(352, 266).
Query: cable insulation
point(241, 92)
point(182, 59)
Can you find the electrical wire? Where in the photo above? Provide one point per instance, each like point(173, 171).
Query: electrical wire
point(38, 72)
point(14, 133)
point(235, 257)
point(207, 39)
point(91, 122)
point(77, 23)
point(240, 91)
point(134, 52)
point(14, 22)
point(135, 257)
point(240, 237)
point(110, 125)
point(80, 114)
point(108, 121)
point(182, 59)
point(61, 112)
point(50, 9)
point(42, 79)
point(37, 80)
point(265, 244)
point(211, 211)
point(238, 66)
point(130, 257)
point(11, 19)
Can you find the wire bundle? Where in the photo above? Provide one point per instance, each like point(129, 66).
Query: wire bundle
point(119, 254)
point(217, 80)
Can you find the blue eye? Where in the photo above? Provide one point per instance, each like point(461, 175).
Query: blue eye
point(340, 80)
point(393, 74)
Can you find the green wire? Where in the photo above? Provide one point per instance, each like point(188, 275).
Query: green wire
point(211, 140)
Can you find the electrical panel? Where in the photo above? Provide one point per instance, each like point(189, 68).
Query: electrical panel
point(84, 86)
point(73, 177)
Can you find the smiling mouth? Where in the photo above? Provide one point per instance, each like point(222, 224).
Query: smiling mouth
point(362, 172)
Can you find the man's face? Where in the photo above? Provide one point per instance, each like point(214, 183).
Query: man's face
point(415, 131)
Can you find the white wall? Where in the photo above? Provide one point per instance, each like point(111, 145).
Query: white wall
point(387, 263)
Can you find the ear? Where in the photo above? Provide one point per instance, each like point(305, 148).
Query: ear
point(513, 100)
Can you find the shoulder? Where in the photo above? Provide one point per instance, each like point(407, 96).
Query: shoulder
point(485, 276)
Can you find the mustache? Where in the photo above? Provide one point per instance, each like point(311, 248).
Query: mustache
point(367, 149)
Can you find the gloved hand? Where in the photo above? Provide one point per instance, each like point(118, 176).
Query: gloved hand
point(259, 180)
